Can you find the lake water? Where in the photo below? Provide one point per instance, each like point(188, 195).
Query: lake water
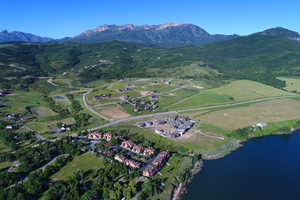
point(59, 97)
point(267, 168)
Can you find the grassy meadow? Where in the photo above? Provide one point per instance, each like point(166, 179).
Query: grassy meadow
point(84, 162)
point(292, 84)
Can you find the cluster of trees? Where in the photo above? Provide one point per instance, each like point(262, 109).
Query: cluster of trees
point(75, 104)
point(81, 119)
point(33, 158)
point(243, 133)
point(113, 181)
point(11, 139)
point(56, 107)
point(33, 186)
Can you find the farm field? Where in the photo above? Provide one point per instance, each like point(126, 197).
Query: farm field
point(200, 99)
point(85, 161)
point(292, 84)
point(245, 89)
point(270, 111)
point(113, 112)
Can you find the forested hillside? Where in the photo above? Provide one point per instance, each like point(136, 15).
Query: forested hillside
point(255, 57)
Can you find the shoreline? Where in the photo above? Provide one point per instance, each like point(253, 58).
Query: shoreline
point(181, 189)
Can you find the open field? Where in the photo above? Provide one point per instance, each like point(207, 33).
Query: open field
point(20, 99)
point(85, 161)
point(270, 111)
point(292, 84)
point(244, 89)
point(200, 99)
point(234, 91)
point(113, 112)
point(43, 111)
point(45, 126)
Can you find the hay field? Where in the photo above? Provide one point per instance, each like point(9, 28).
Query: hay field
point(114, 112)
point(245, 89)
point(292, 84)
point(239, 117)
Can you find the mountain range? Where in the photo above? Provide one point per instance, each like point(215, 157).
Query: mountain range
point(167, 34)
point(16, 36)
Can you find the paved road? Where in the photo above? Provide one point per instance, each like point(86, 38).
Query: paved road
point(112, 123)
point(90, 108)
point(50, 81)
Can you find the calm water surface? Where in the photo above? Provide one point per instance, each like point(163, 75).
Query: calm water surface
point(264, 168)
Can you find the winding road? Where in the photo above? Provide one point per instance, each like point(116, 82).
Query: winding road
point(115, 122)
point(90, 108)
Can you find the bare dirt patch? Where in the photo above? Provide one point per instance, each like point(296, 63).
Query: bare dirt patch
point(114, 112)
point(271, 111)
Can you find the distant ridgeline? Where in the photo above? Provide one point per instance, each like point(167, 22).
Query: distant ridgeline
point(259, 57)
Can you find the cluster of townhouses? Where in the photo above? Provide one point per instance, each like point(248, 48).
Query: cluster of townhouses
point(150, 169)
point(128, 162)
point(157, 163)
point(138, 149)
point(97, 136)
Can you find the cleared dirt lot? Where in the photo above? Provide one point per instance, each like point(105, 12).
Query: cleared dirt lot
point(114, 112)
point(272, 111)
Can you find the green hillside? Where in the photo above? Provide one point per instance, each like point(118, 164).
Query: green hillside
point(255, 57)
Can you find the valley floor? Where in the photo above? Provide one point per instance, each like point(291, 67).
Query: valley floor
point(223, 116)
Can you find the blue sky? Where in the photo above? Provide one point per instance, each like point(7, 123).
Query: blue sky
point(60, 18)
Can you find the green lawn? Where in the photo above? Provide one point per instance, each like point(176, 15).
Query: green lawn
point(85, 161)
